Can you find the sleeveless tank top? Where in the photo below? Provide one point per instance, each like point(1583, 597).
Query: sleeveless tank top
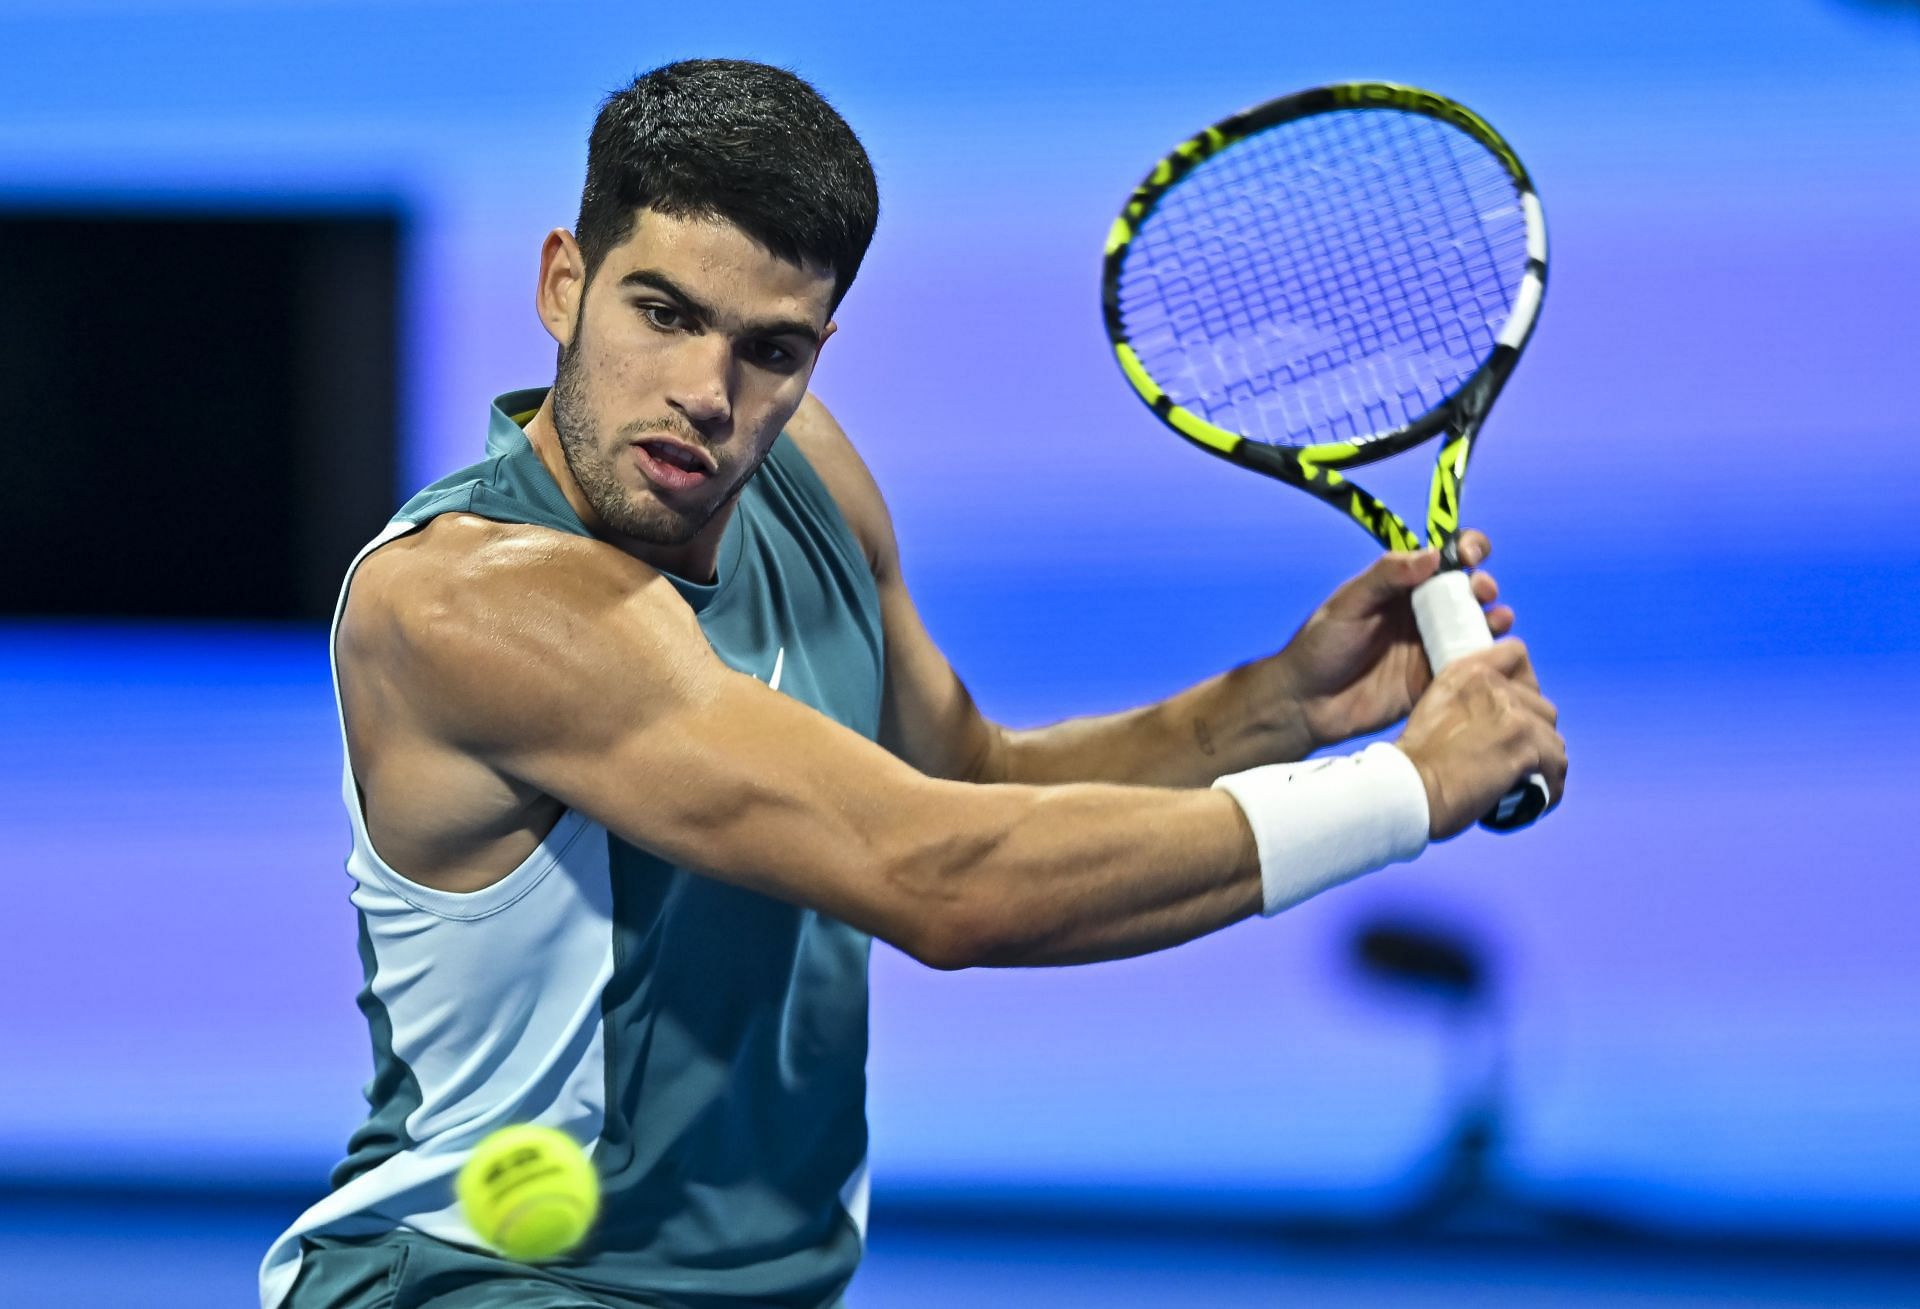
point(706, 1044)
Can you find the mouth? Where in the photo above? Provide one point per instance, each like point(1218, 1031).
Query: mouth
point(672, 464)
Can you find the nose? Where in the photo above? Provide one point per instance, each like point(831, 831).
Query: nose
point(702, 382)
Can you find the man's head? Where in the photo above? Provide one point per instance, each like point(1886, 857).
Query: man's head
point(752, 145)
point(726, 210)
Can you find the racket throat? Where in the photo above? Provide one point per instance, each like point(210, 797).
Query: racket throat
point(1443, 498)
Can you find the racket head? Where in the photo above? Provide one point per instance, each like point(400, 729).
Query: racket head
point(1327, 279)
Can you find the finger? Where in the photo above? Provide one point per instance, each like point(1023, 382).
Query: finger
point(1394, 574)
point(1485, 589)
point(1473, 547)
point(1508, 658)
point(1530, 699)
point(1541, 750)
point(1551, 757)
point(1523, 675)
point(1500, 620)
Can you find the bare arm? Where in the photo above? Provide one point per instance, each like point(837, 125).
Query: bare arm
point(1237, 720)
point(571, 669)
point(548, 669)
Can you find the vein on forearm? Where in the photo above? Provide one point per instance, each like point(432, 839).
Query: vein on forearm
point(1073, 874)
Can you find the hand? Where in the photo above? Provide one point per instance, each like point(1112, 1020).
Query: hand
point(1481, 727)
point(1357, 664)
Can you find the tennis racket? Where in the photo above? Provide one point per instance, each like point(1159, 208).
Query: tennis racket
point(1328, 279)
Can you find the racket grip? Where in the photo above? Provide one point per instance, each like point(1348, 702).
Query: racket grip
point(1453, 624)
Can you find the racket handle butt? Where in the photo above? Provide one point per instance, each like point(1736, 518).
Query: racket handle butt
point(1452, 624)
point(1520, 806)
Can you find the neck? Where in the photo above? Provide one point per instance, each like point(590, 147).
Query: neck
point(696, 561)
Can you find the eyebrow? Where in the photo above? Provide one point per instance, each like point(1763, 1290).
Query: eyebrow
point(656, 280)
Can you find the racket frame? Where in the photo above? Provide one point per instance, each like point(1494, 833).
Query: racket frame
point(1317, 469)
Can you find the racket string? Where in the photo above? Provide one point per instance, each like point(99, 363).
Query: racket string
point(1328, 279)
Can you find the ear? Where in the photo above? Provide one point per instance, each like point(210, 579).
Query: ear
point(826, 334)
point(563, 284)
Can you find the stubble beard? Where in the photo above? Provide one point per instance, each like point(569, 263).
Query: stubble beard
point(636, 516)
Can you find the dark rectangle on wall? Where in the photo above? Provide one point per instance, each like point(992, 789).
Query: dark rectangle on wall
point(203, 410)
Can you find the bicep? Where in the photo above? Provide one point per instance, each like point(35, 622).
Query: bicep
point(747, 785)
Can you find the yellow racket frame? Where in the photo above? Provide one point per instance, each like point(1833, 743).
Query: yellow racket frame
point(1317, 469)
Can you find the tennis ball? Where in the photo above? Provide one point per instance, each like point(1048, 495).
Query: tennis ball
point(529, 1191)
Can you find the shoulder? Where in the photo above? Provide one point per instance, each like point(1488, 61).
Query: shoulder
point(819, 437)
point(461, 559)
point(466, 606)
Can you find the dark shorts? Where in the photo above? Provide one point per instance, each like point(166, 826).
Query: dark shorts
point(416, 1272)
point(409, 1271)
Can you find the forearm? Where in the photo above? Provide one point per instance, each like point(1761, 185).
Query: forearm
point(1013, 876)
point(1070, 874)
point(1239, 719)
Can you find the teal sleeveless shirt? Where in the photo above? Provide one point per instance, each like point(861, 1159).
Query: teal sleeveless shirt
point(706, 1043)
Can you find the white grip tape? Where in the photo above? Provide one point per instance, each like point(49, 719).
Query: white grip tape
point(1326, 821)
point(1452, 624)
point(1450, 619)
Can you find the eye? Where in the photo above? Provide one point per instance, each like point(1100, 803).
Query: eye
point(770, 354)
point(664, 317)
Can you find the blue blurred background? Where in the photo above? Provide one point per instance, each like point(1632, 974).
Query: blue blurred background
point(1702, 487)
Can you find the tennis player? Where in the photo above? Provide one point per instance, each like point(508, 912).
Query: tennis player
point(646, 742)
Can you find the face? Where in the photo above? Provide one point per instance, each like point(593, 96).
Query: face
point(683, 359)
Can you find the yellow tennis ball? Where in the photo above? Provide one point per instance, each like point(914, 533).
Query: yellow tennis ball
point(529, 1191)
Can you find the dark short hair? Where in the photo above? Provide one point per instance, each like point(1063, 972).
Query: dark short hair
point(750, 144)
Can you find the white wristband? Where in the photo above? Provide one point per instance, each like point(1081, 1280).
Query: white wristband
point(1326, 821)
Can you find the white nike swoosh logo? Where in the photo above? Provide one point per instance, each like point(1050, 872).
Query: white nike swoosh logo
point(779, 662)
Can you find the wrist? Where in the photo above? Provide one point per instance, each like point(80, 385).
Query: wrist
point(1286, 724)
point(1429, 779)
point(1320, 823)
